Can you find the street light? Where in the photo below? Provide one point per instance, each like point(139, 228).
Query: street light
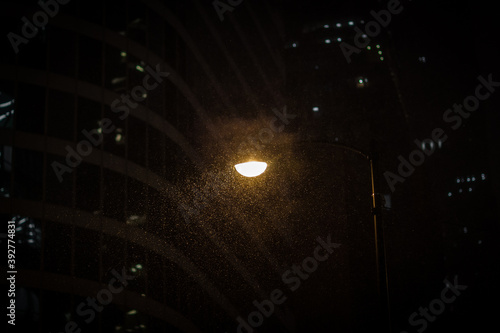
point(251, 169)
point(254, 168)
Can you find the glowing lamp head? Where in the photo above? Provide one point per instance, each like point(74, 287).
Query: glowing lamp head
point(251, 169)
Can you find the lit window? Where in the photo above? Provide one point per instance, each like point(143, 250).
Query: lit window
point(368, 47)
point(294, 45)
point(338, 25)
point(427, 146)
point(381, 58)
point(315, 109)
point(449, 194)
point(6, 110)
point(465, 230)
point(326, 26)
point(470, 189)
point(361, 82)
point(327, 41)
point(364, 35)
point(483, 176)
point(379, 52)
point(473, 178)
point(377, 46)
point(339, 39)
point(458, 180)
point(123, 53)
point(468, 179)
point(422, 60)
point(139, 68)
point(351, 23)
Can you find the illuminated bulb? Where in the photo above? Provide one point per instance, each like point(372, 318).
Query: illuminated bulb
point(251, 169)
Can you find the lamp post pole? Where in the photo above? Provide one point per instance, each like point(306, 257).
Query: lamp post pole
point(382, 281)
point(381, 264)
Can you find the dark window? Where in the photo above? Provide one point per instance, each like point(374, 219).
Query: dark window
point(114, 195)
point(54, 308)
point(57, 248)
point(61, 115)
point(137, 141)
point(91, 11)
point(88, 180)
point(137, 199)
point(136, 29)
point(112, 316)
point(59, 192)
point(34, 53)
point(30, 108)
point(28, 174)
point(113, 256)
point(173, 152)
point(9, 23)
point(156, 151)
point(83, 322)
point(87, 245)
point(5, 170)
point(62, 53)
point(156, 32)
point(27, 309)
point(156, 97)
point(116, 16)
point(156, 211)
point(156, 277)
point(89, 117)
point(170, 36)
point(90, 60)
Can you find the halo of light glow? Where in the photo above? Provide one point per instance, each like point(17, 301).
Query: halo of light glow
point(251, 169)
